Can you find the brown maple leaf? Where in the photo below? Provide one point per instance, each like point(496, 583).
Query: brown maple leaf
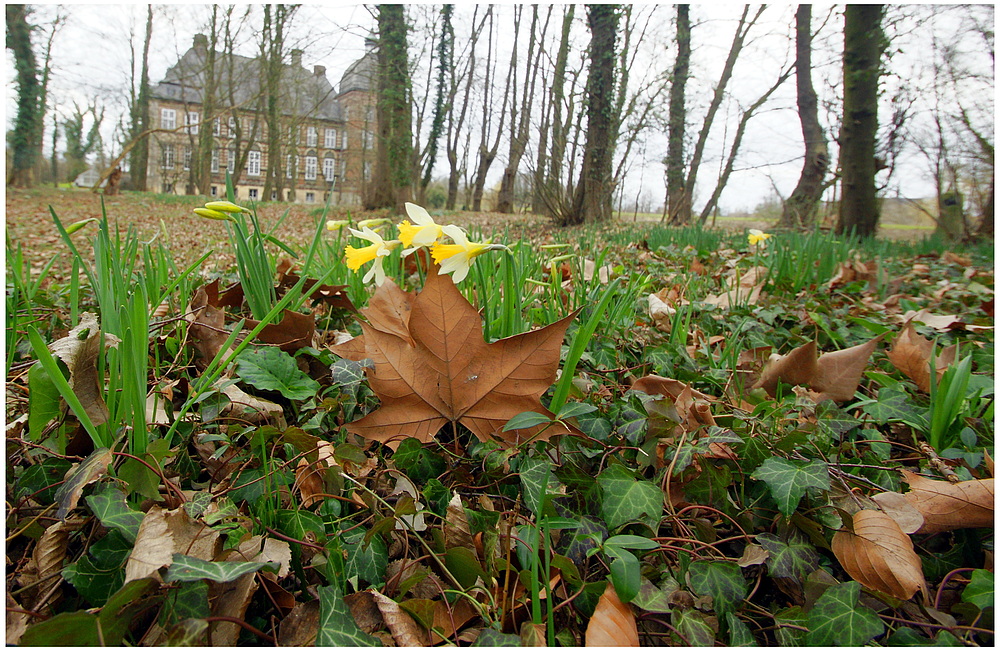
point(833, 375)
point(433, 367)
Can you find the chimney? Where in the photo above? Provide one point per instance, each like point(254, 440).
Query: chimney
point(297, 58)
point(200, 42)
point(370, 44)
point(319, 71)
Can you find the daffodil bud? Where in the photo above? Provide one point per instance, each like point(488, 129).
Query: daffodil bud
point(75, 226)
point(336, 224)
point(212, 214)
point(372, 223)
point(225, 206)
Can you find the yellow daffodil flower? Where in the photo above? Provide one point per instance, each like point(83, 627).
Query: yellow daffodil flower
point(456, 258)
point(209, 213)
point(422, 232)
point(377, 251)
point(336, 224)
point(225, 206)
point(755, 236)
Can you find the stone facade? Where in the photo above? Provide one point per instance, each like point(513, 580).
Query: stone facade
point(327, 144)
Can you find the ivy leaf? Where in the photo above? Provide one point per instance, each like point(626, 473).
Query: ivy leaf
point(693, 625)
point(739, 633)
point(189, 568)
point(721, 580)
point(788, 480)
point(979, 592)
point(788, 560)
point(419, 463)
point(491, 637)
point(110, 508)
point(336, 624)
point(366, 560)
point(627, 499)
point(536, 477)
point(838, 620)
point(270, 369)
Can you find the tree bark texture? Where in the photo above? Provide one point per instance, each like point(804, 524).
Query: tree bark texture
point(390, 186)
point(25, 141)
point(139, 160)
point(206, 139)
point(677, 115)
point(799, 210)
point(864, 44)
point(552, 194)
point(592, 201)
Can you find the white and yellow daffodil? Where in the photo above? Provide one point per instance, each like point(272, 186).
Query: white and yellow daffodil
point(456, 258)
point(377, 251)
point(755, 236)
point(421, 232)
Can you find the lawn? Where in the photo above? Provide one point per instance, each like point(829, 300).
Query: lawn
point(227, 432)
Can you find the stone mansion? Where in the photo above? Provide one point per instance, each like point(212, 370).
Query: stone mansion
point(328, 134)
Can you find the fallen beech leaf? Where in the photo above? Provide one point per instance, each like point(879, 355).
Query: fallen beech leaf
point(603, 274)
point(294, 331)
point(207, 323)
point(405, 630)
point(230, 600)
point(87, 471)
point(664, 386)
point(163, 534)
point(17, 621)
point(450, 618)
point(300, 626)
point(613, 623)
point(839, 373)
point(848, 272)
point(797, 367)
point(249, 407)
point(946, 506)
point(911, 355)
point(879, 555)
point(457, 532)
point(47, 560)
point(661, 313)
point(961, 260)
point(451, 374)
point(79, 350)
point(900, 509)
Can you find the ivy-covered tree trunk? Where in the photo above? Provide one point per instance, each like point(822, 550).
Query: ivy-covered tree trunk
point(442, 97)
point(677, 115)
point(864, 44)
point(799, 210)
point(25, 140)
point(592, 201)
point(390, 185)
point(139, 160)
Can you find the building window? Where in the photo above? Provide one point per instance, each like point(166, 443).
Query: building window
point(330, 138)
point(253, 193)
point(168, 188)
point(231, 161)
point(310, 168)
point(343, 169)
point(191, 122)
point(347, 113)
point(311, 136)
point(310, 197)
point(168, 119)
point(368, 171)
point(288, 167)
point(232, 127)
point(329, 167)
point(216, 127)
point(370, 114)
point(214, 191)
point(274, 195)
point(344, 144)
point(187, 158)
point(168, 157)
point(369, 142)
point(253, 164)
point(215, 161)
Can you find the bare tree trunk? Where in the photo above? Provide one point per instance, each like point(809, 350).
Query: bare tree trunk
point(735, 148)
point(864, 43)
point(487, 151)
point(390, 186)
point(593, 193)
point(206, 139)
point(684, 213)
point(520, 119)
point(454, 133)
point(677, 116)
point(799, 210)
point(552, 188)
point(139, 161)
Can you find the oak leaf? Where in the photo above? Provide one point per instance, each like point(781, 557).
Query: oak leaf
point(878, 555)
point(431, 367)
point(946, 506)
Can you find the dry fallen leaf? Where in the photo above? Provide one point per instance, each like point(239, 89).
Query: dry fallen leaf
point(449, 374)
point(797, 367)
point(946, 506)
point(88, 470)
point(294, 331)
point(613, 623)
point(79, 350)
point(661, 313)
point(911, 355)
point(405, 630)
point(46, 562)
point(834, 376)
point(207, 323)
point(163, 534)
point(879, 556)
point(900, 509)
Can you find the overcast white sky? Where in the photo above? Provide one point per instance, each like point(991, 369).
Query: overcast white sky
point(92, 59)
